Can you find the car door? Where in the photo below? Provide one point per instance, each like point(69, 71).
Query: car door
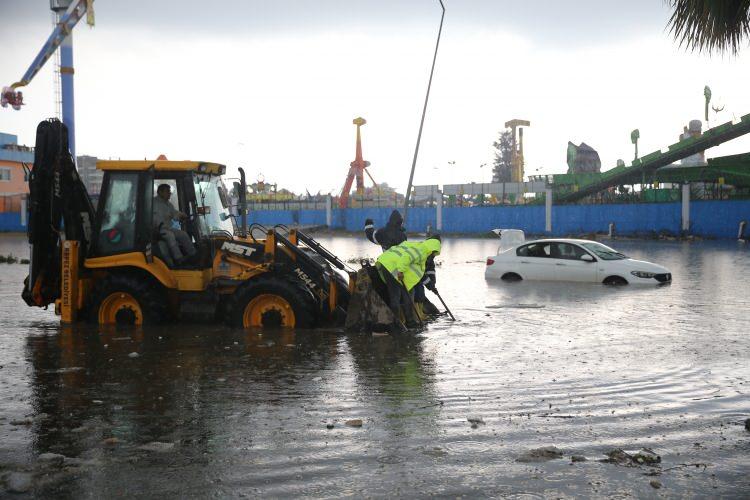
point(569, 263)
point(534, 262)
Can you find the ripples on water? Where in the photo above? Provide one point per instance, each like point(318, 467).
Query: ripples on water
point(581, 367)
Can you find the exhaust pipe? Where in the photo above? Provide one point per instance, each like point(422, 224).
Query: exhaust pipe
point(243, 203)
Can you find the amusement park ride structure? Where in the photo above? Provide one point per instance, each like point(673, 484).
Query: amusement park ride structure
point(357, 169)
point(69, 12)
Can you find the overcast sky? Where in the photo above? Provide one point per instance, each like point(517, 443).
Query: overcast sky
point(273, 86)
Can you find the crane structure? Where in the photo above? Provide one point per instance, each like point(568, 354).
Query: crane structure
point(69, 12)
point(357, 169)
point(517, 162)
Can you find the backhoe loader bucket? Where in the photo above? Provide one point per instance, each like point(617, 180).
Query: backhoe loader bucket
point(368, 311)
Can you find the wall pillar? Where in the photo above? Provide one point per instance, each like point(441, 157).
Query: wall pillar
point(23, 211)
point(548, 210)
point(439, 211)
point(686, 207)
point(329, 212)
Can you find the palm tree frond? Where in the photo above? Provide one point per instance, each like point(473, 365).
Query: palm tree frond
point(710, 25)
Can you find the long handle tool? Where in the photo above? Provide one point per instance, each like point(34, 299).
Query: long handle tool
point(443, 302)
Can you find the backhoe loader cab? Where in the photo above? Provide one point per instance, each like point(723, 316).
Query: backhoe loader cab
point(112, 265)
point(125, 220)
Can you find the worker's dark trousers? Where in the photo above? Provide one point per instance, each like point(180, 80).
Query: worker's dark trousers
point(398, 297)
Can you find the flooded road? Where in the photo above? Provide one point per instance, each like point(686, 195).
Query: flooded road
point(209, 411)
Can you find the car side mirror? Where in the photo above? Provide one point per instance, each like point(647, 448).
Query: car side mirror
point(587, 258)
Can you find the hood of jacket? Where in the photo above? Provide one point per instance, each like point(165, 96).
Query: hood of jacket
point(395, 220)
point(431, 245)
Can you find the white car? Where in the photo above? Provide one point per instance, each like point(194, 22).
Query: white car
point(571, 260)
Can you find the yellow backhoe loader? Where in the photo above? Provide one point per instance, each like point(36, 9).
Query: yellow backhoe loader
point(110, 265)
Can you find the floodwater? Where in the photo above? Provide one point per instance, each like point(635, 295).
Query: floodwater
point(207, 411)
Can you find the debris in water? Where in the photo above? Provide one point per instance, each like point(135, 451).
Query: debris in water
point(111, 441)
point(655, 484)
point(540, 454)
point(18, 482)
point(355, 422)
point(157, 446)
point(51, 459)
point(747, 424)
point(329, 425)
point(133, 355)
point(517, 306)
point(475, 422)
point(643, 457)
point(578, 458)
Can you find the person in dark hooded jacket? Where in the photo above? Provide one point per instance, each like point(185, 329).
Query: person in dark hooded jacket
point(392, 234)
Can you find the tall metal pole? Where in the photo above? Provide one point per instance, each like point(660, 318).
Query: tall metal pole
point(424, 112)
point(66, 82)
point(61, 8)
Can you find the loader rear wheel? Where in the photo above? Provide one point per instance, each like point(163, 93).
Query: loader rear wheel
point(126, 300)
point(271, 303)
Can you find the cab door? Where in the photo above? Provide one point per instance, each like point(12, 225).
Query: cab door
point(116, 230)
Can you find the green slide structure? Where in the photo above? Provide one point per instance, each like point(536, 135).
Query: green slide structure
point(732, 169)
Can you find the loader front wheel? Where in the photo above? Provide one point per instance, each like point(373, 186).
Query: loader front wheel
point(272, 303)
point(126, 300)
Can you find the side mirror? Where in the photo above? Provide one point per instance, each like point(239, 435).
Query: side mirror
point(587, 258)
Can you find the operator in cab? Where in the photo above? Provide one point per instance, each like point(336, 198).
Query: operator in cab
point(180, 246)
point(402, 268)
point(394, 233)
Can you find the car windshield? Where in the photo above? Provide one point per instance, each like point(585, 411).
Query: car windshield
point(213, 212)
point(603, 251)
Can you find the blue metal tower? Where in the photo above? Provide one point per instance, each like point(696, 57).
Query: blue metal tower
point(69, 12)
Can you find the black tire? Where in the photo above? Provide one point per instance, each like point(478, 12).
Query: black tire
point(275, 286)
point(149, 295)
point(511, 277)
point(615, 281)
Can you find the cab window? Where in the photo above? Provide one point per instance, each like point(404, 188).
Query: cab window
point(117, 231)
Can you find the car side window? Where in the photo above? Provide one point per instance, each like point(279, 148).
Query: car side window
point(568, 251)
point(534, 250)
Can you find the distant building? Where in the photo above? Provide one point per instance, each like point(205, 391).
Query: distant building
point(13, 180)
point(90, 176)
point(583, 159)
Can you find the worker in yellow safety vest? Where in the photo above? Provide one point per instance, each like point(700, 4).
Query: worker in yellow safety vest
point(402, 267)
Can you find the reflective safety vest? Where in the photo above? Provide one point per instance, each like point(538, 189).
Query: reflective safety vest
point(409, 258)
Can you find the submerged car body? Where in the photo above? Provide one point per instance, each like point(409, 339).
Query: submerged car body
point(572, 260)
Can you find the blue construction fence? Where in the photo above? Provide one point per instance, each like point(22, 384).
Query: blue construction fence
point(712, 219)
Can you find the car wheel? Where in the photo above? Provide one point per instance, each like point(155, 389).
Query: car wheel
point(511, 277)
point(615, 281)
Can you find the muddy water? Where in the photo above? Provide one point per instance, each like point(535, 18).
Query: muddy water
point(207, 411)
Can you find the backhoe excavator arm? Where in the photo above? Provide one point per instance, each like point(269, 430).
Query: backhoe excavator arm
point(58, 206)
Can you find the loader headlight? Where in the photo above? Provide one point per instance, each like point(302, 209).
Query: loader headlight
point(642, 274)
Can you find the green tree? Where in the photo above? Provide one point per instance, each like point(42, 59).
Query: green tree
point(710, 25)
point(502, 166)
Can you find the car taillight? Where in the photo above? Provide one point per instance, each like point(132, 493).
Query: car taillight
point(490, 261)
